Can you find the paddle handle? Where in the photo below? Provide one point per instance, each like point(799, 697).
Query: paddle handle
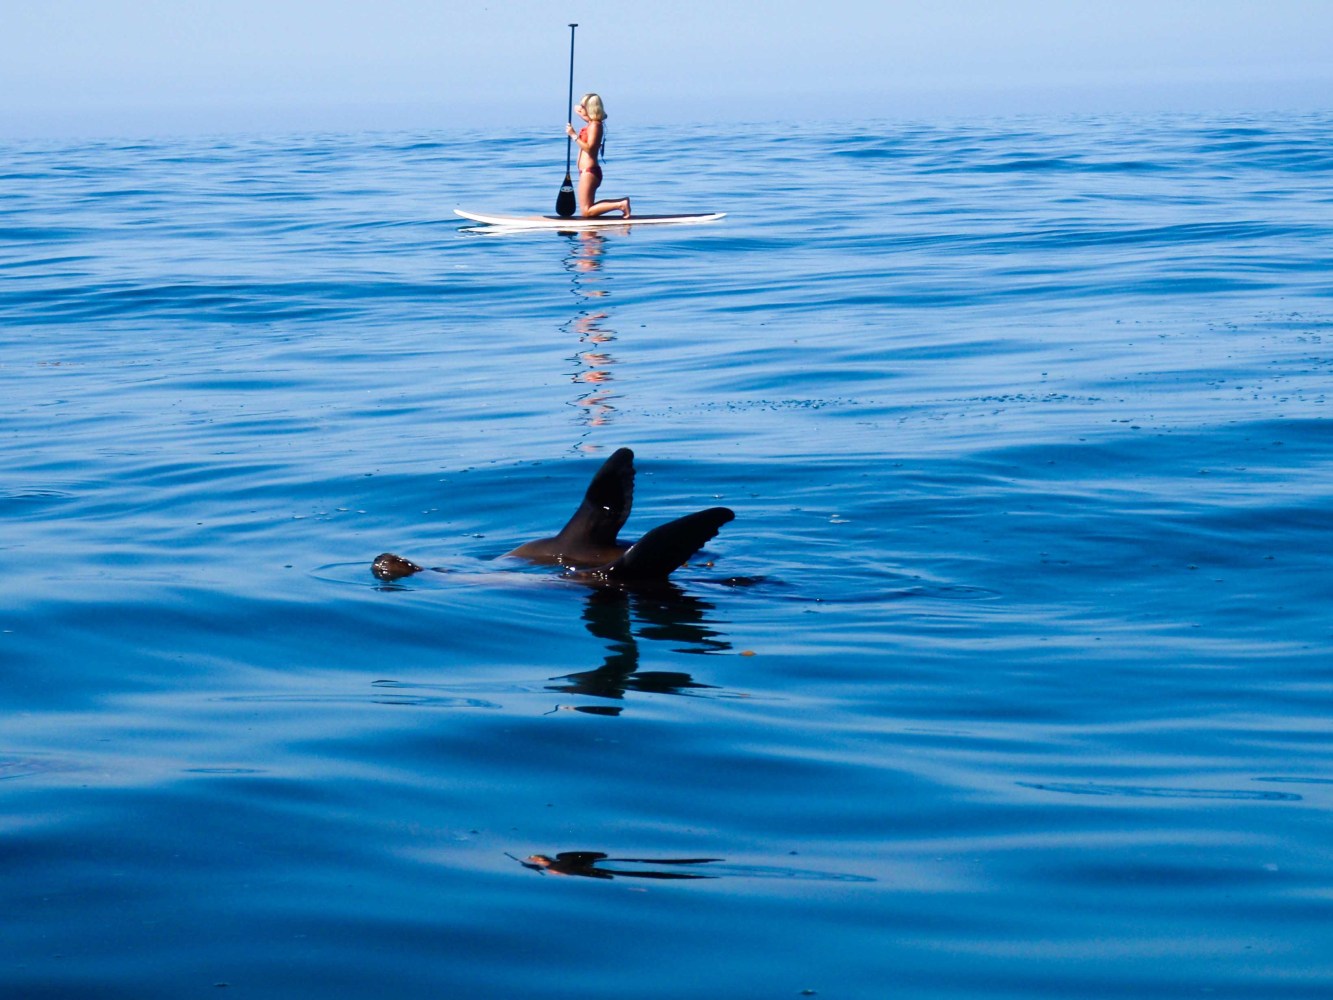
point(569, 104)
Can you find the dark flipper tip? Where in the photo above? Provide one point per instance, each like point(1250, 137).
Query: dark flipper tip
point(612, 492)
point(667, 547)
point(605, 507)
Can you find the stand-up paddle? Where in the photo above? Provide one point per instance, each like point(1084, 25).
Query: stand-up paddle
point(565, 203)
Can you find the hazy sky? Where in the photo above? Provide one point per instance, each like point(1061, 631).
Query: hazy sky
point(143, 67)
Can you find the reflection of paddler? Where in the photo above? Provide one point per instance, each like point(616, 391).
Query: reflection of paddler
point(591, 141)
point(594, 374)
point(591, 248)
point(584, 262)
point(588, 327)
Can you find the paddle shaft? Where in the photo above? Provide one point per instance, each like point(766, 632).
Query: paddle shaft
point(569, 105)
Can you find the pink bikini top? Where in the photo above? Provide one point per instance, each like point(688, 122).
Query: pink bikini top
point(583, 137)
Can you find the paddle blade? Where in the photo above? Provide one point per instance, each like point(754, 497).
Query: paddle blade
point(565, 204)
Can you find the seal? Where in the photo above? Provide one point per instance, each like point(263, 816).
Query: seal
point(588, 545)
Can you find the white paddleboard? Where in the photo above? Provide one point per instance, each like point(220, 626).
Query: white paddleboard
point(579, 222)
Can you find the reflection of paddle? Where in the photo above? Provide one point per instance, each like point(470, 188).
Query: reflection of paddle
point(564, 201)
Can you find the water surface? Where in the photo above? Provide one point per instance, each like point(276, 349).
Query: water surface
point(1010, 678)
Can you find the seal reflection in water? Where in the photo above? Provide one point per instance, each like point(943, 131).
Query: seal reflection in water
point(592, 864)
point(588, 545)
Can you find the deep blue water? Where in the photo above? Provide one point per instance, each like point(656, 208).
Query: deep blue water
point(1011, 678)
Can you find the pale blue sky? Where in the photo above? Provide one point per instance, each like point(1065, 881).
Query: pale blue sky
point(145, 67)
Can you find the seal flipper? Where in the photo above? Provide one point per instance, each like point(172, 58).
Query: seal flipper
point(606, 504)
point(590, 535)
point(662, 551)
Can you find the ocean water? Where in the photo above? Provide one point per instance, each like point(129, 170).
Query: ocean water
point(1011, 677)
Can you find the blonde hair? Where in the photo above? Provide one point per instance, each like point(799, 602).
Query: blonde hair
point(592, 104)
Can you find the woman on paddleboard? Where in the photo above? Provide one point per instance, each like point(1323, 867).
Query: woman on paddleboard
point(591, 139)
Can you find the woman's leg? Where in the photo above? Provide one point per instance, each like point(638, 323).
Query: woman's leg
point(589, 180)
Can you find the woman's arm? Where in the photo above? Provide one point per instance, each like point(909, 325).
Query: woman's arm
point(594, 136)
